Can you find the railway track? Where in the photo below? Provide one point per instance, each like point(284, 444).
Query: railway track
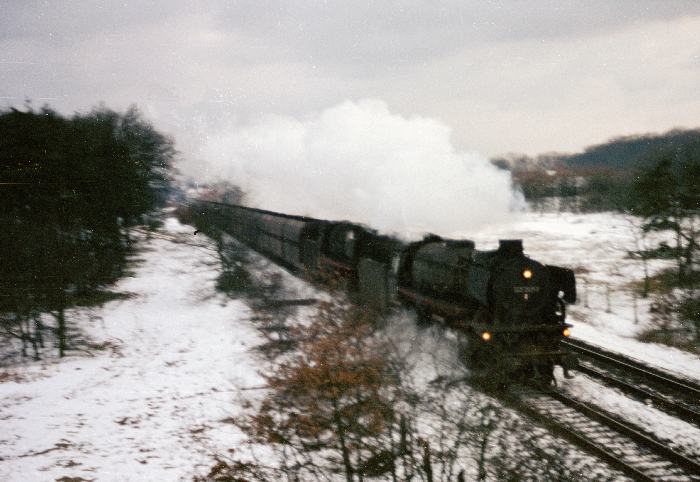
point(623, 446)
point(666, 392)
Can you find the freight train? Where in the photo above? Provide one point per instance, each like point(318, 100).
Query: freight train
point(509, 308)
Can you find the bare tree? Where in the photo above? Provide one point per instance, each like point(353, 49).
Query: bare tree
point(642, 249)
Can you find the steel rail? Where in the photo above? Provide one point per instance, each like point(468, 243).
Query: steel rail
point(692, 466)
point(686, 413)
point(536, 408)
point(659, 376)
point(578, 439)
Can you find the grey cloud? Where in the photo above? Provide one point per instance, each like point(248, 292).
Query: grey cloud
point(406, 31)
point(503, 75)
point(347, 31)
point(64, 20)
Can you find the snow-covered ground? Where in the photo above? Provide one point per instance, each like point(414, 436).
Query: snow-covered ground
point(432, 354)
point(151, 407)
point(676, 433)
point(596, 245)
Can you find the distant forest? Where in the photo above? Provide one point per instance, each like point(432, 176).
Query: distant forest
point(634, 152)
point(601, 177)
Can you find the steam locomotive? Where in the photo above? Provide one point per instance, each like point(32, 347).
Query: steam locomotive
point(509, 307)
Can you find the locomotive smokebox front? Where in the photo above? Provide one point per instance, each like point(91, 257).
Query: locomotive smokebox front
point(520, 290)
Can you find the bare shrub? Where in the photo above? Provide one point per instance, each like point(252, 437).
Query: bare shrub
point(667, 323)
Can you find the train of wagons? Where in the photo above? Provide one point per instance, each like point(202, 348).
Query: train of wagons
point(509, 308)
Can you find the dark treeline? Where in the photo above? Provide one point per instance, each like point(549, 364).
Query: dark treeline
point(607, 177)
point(69, 188)
point(620, 153)
point(633, 152)
point(603, 176)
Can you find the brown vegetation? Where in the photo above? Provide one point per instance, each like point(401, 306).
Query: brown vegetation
point(340, 402)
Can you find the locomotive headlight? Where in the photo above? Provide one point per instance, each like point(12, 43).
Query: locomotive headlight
point(527, 274)
point(566, 332)
point(486, 336)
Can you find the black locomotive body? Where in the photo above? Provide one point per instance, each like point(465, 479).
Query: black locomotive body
point(510, 308)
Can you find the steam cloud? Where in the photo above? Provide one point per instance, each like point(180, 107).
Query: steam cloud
point(358, 161)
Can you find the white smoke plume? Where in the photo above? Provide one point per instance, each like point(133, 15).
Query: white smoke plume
point(358, 161)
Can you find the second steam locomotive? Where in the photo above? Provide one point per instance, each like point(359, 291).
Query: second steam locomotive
point(509, 307)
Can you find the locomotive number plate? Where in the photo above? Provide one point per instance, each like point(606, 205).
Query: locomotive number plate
point(526, 289)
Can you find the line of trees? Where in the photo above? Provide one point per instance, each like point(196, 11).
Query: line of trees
point(69, 188)
point(600, 177)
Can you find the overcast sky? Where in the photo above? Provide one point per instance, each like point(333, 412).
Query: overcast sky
point(528, 76)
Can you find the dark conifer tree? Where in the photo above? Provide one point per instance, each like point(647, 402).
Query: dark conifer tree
point(69, 187)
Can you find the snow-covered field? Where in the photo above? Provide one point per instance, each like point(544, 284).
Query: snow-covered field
point(152, 406)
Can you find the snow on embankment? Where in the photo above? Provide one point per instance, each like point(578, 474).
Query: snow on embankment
point(680, 435)
point(151, 408)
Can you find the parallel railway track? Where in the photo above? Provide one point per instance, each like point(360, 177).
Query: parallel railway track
point(623, 446)
point(668, 393)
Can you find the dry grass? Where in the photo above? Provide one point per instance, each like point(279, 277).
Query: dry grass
point(679, 338)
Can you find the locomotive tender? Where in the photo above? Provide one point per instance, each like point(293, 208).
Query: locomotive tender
point(510, 308)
